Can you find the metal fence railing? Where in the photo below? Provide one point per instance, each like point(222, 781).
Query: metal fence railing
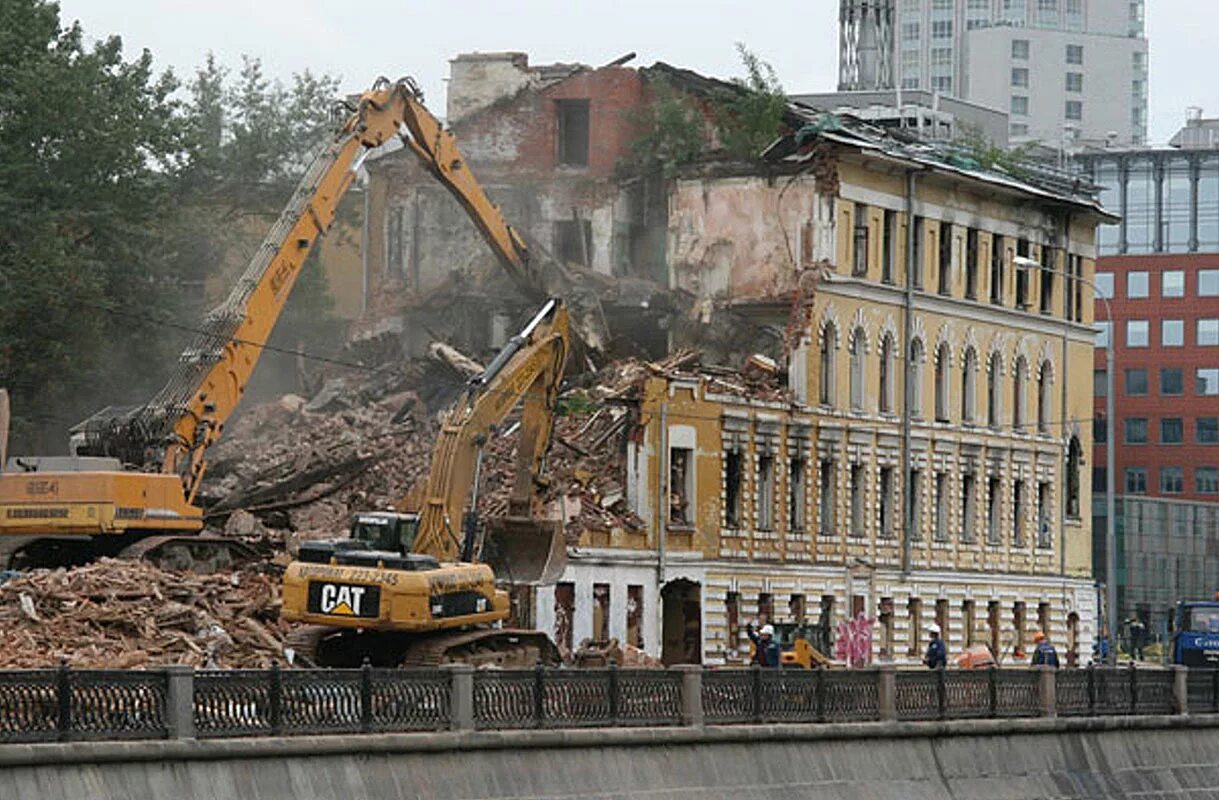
point(64, 704)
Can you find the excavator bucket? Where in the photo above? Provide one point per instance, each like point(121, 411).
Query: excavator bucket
point(524, 550)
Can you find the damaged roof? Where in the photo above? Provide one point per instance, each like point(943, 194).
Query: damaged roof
point(844, 130)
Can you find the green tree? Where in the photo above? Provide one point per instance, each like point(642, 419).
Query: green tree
point(750, 117)
point(672, 131)
point(89, 146)
point(251, 139)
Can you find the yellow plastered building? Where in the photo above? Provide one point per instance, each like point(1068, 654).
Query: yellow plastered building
point(926, 463)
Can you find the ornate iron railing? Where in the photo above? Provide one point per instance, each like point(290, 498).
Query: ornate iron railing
point(62, 704)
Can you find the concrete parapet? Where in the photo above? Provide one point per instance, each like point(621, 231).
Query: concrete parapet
point(691, 694)
point(886, 692)
point(180, 702)
point(461, 696)
point(1180, 688)
point(1047, 688)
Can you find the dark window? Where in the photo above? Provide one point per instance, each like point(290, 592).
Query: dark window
point(1172, 382)
point(916, 278)
point(1206, 480)
point(1136, 382)
point(795, 495)
point(1172, 430)
point(1208, 430)
point(1018, 512)
point(996, 270)
point(886, 502)
point(887, 251)
point(573, 132)
point(732, 488)
point(945, 276)
point(569, 246)
point(1100, 479)
point(968, 504)
point(1136, 430)
point(1047, 280)
point(971, 264)
point(1136, 480)
point(1075, 457)
point(860, 265)
point(993, 499)
point(1100, 383)
point(1022, 274)
point(1172, 480)
point(1099, 430)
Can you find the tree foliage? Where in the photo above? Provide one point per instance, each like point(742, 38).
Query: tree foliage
point(123, 195)
point(974, 144)
point(738, 121)
point(750, 118)
point(672, 131)
point(89, 146)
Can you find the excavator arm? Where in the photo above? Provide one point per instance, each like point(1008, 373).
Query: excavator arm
point(528, 369)
point(171, 434)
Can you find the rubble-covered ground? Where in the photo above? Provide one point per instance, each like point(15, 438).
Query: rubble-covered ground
point(120, 614)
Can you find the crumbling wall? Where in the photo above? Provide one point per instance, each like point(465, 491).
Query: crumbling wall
point(741, 238)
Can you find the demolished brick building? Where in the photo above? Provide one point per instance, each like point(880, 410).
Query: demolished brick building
point(920, 462)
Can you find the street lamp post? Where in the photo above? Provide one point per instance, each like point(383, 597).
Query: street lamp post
point(1110, 442)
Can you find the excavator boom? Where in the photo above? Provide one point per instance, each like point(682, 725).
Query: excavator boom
point(528, 369)
point(136, 472)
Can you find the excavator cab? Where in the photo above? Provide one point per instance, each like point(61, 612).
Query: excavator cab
point(389, 531)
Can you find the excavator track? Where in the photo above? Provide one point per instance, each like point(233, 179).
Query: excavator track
point(507, 648)
point(201, 553)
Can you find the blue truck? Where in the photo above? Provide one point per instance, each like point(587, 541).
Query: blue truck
point(1195, 637)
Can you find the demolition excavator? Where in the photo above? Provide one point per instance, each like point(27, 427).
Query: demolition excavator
point(417, 586)
point(131, 484)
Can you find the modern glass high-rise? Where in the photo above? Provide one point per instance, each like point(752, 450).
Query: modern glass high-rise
point(1063, 69)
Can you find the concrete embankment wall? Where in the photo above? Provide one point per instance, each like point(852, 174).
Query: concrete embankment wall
point(1147, 757)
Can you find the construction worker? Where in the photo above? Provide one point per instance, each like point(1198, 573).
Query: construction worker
point(1044, 653)
point(937, 653)
point(766, 651)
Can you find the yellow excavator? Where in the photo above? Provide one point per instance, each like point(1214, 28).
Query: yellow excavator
point(416, 586)
point(130, 486)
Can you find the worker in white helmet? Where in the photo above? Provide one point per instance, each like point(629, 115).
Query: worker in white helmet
point(937, 653)
point(766, 650)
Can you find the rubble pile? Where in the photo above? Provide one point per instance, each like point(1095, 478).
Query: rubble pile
point(116, 614)
point(297, 469)
point(303, 467)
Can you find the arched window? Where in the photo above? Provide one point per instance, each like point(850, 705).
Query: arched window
point(858, 346)
point(886, 374)
point(969, 380)
point(829, 343)
point(1043, 398)
point(916, 378)
point(993, 369)
point(1019, 379)
point(1074, 457)
point(941, 383)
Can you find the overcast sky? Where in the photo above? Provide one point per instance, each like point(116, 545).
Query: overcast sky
point(361, 39)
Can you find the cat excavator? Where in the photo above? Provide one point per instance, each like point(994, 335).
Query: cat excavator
point(417, 586)
point(131, 484)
